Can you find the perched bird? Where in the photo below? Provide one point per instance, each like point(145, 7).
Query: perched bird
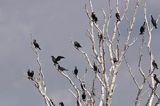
point(154, 64)
point(55, 60)
point(115, 60)
point(36, 45)
point(83, 96)
point(30, 74)
point(95, 68)
point(77, 45)
point(153, 22)
point(94, 17)
point(61, 104)
point(142, 28)
point(118, 17)
point(61, 68)
point(75, 71)
point(156, 79)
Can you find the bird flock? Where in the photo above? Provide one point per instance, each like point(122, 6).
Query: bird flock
point(77, 46)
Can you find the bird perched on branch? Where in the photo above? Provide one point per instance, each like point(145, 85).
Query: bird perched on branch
point(153, 22)
point(84, 96)
point(115, 60)
point(75, 71)
point(156, 79)
point(95, 68)
point(56, 59)
point(118, 17)
point(142, 28)
point(94, 17)
point(77, 45)
point(36, 45)
point(30, 74)
point(60, 68)
point(61, 104)
point(154, 64)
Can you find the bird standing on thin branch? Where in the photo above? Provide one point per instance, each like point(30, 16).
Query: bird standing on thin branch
point(60, 68)
point(142, 29)
point(94, 17)
point(55, 60)
point(156, 79)
point(118, 17)
point(61, 104)
point(84, 96)
point(77, 45)
point(154, 64)
point(30, 74)
point(36, 45)
point(153, 22)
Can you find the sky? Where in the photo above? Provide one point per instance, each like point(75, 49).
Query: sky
point(54, 24)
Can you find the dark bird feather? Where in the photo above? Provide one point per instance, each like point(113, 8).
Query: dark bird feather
point(154, 64)
point(154, 23)
point(94, 17)
point(118, 17)
point(60, 68)
point(56, 59)
point(75, 71)
point(30, 74)
point(142, 28)
point(77, 45)
point(155, 78)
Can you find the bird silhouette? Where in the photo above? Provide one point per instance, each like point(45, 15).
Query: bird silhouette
point(60, 68)
point(30, 74)
point(77, 45)
point(142, 28)
point(95, 68)
point(154, 64)
point(36, 45)
point(156, 79)
point(61, 104)
point(56, 59)
point(118, 17)
point(153, 22)
point(94, 17)
point(84, 96)
point(75, 71)
point(115, 60)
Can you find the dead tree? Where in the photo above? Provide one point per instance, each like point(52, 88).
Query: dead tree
point(107, 47)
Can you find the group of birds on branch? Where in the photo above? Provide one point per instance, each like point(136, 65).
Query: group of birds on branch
point(143, 27)
point(155, 66)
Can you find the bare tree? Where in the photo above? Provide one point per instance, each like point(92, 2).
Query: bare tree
point(109, 48)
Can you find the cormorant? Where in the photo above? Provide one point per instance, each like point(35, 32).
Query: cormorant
point(95, 68)
point(94, 17)
point(61, 104)
point(77, 45)
point(156, 79)
point(61, 68)
point(55, 60)
point(142, 29)
point(83, 96)
point(154, 64)
point(118, 17)
point(115, 60)
point(75, 71)
point(36, 45)
point(153, 22)
point(30, 74)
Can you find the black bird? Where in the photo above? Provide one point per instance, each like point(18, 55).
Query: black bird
point(75, 71)
point(118, 17)
point(115, 60)
point(83, 96)
point(153, 22)
point(156, 79)
point(95, 68)
point(94, 17)
point(142, 29)
point(55, 60)
point(61, 104)
point(83, 86)
point(36, 45)
point(30, 74)
point(77, 45)
point(61, 68)
point(154, 64)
